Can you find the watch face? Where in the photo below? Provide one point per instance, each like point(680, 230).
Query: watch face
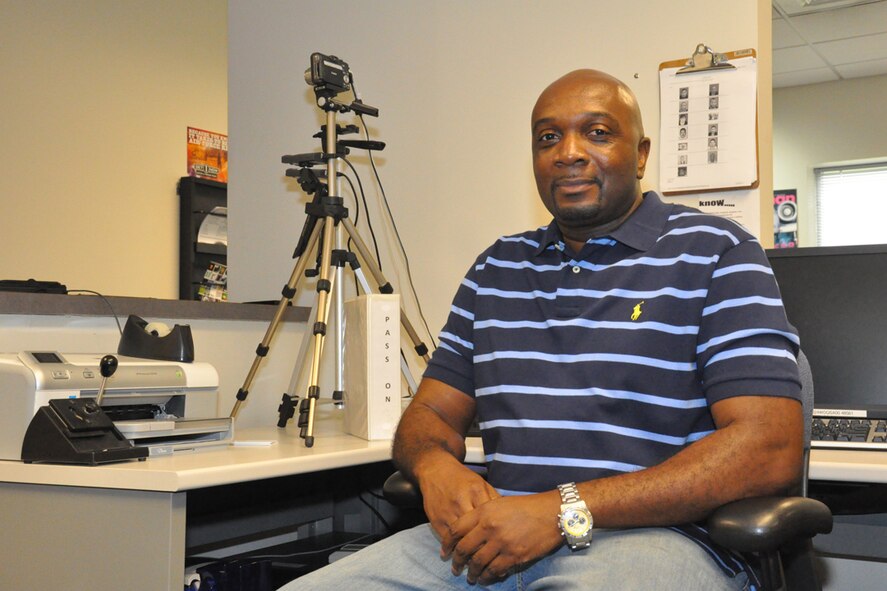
point(575, 523)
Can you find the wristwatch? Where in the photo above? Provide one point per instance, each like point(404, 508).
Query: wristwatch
point(574, 519)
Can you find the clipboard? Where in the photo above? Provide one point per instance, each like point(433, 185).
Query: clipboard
point(708, 122)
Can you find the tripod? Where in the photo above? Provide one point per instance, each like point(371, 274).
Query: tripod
point(327, 217)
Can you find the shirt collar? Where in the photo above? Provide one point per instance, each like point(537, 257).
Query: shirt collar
point(640, 231)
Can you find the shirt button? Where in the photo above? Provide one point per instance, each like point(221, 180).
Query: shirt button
point(576, 269)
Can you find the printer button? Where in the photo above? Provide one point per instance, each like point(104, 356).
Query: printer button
point(60, 374)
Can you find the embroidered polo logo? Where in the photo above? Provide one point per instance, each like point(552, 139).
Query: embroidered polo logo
point(636, 313)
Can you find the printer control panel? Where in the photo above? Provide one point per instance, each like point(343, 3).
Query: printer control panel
point(61, 373)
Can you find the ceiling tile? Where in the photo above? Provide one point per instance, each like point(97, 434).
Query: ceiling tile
point(784, 36)
point(799, 7)
point(867, 19)
point(796, 58)
point(845, 51)
point(797, 78)
point(862, 69)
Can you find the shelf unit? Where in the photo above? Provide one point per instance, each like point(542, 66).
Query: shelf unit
point(197, 198)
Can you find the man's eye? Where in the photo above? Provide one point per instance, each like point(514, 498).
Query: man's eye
point(548, 137)
point(598, 132)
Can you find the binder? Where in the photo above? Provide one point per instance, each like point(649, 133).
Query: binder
point(372, 369)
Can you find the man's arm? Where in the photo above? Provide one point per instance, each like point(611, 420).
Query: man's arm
point(756, 450)
point(429, 447)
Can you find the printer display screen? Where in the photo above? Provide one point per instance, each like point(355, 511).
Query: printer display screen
point(46, 357)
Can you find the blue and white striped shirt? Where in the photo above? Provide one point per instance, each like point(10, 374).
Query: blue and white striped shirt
point(608, 361)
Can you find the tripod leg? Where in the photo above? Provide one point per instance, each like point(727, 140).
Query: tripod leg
point(324, 286)
point(385, 287)
point(363, 251)
point(287, 407)
point(339, 348)
point(412, 387)
point(289, 290)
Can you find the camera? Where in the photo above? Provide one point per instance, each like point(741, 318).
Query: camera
point(327, 72)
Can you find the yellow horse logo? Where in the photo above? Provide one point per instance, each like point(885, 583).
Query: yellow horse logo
point(636, 313)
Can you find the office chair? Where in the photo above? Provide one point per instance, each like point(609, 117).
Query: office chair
point(777, 530)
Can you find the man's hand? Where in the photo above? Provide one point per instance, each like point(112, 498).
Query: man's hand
point(502, 534)
point(449, 491)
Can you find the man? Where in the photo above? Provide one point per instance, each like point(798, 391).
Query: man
point(631, 360)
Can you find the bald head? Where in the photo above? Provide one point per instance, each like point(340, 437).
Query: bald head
point(588, 81)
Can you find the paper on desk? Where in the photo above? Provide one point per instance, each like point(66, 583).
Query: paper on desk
point(257, 443)
point(214, 227)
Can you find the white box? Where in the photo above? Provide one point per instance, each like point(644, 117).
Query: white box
point(372, 366)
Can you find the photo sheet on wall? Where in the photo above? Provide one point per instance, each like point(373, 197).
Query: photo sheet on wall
point(708, 129)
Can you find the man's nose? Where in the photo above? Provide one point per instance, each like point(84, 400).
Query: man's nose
point(570, 150)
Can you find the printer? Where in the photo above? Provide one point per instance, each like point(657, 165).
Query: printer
point(165, 406)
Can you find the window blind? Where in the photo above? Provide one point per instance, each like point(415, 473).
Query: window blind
point(851, 204)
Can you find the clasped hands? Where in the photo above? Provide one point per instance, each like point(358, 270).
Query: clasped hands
point(483, 531)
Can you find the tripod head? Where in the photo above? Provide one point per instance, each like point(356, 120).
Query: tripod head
point(321, 206)
point(309, 180)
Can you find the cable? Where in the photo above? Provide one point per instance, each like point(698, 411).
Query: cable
point(110, 307)
point(312, 552)
point(367, 208)
point(354, 194)
point(357, 97)
point(356, 219)
point(377, 495)
point(390, 217)
point(397, 235)
point(375, 512)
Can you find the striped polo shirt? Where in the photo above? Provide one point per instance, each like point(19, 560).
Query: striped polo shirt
point(604, 362)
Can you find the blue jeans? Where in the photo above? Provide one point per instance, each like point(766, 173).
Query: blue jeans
point(630, 560)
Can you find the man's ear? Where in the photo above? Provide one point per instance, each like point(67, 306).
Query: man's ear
point(643, 154)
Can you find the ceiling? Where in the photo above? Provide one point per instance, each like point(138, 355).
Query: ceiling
point(823, 40)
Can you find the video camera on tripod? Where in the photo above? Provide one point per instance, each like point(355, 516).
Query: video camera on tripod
point(329, 73)
point(330, 76)
point(327, 218)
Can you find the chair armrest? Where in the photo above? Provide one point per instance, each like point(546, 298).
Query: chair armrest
point(763, 524)
point(400, 492)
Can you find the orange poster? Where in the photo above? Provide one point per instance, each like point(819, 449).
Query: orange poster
point(207, 155)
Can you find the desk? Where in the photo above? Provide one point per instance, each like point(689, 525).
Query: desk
point(93, 527)
point(851, 556)
point(848, 465)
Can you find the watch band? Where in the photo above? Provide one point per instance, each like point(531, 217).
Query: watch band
point(569, 493)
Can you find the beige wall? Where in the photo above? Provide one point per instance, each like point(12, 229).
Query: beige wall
point(455, 83)
point(765, 123)
point(819, 124)
point(112, 85)
point(96, 98)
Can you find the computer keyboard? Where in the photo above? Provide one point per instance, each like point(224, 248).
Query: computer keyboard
point(847, 433)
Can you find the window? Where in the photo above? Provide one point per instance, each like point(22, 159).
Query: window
point(851, 204)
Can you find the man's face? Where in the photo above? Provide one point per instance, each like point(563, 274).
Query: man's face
point(588, 152)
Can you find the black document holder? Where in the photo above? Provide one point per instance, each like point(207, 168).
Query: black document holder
point(76, 431)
